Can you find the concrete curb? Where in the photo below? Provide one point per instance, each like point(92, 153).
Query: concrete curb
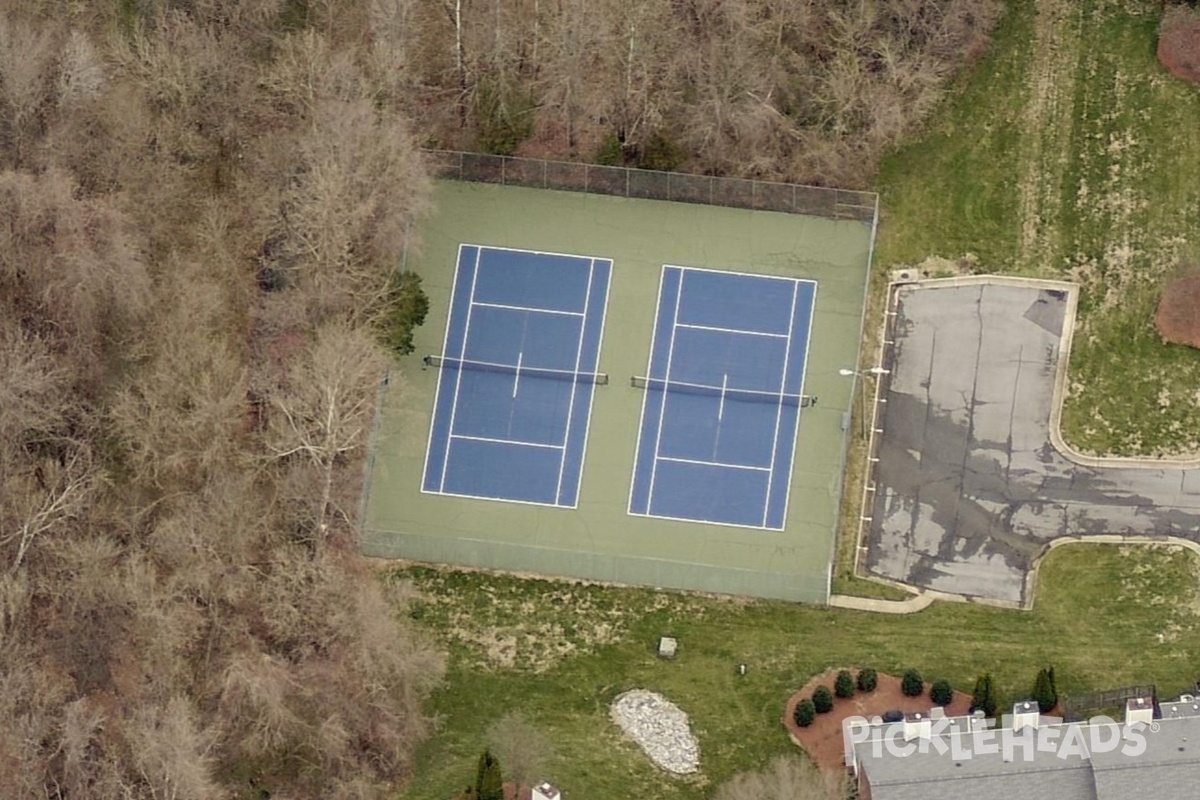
point(1110, 539)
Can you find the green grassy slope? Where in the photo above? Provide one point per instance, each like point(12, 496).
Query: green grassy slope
point(560, 653)
point(1069, 153)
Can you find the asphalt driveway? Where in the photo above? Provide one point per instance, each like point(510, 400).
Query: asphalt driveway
point(969, 486)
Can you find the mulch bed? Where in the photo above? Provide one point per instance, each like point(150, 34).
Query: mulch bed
point(1179, 44)
point(1178, 314)
point(822, 740)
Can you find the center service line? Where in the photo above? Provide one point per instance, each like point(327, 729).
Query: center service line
point(517, 379)
point(721, 407)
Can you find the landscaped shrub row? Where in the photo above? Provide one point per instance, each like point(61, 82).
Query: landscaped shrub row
point(821, 701)
point(983, 698)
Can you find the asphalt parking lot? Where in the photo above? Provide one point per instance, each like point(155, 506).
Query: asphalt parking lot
point(969, 487)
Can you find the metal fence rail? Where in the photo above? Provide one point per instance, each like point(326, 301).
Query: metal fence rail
point(570, 176)
point(1077, 705)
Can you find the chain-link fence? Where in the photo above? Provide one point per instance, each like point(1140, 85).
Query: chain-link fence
point(538, 173)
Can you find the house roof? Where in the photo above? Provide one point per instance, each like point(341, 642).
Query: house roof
point(941, 776)
point(1169, 762)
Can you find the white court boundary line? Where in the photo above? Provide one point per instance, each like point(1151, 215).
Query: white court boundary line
point(490, 499)
point(637, 451)
point(533, 309)
point(787, 354)
point(562, 462)
point(812, 312)
point(437, 392)
point(595, 368)
point(458, 378)
point(694, 521)
point(662, 411)
point(721, 464)
point(696, 327)
point(471, 302)
point(502, 249)
point(506, 441)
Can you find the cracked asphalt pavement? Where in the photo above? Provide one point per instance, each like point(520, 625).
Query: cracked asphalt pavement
point(969, 488)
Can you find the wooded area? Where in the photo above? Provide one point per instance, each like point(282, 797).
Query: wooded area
point(200, 216)
point(201, 209)
point(808, 91)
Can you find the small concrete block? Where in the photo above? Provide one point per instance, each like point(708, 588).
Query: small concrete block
point(667, 646)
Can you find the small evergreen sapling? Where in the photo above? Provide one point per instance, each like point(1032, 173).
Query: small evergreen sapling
point(489, 782)
point(844, 685)
point(805, 713)
point(822, 700)
point(912, 684)
point(1044, 692)
point(983, 698)
point(941, 693)
point(867, 679)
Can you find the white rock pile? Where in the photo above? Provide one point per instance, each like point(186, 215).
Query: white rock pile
point(659, 728)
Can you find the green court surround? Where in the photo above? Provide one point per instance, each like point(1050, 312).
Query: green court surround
point(599, 540)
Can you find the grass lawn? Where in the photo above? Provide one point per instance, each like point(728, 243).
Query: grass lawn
point(559, 653)
point(1069, 153)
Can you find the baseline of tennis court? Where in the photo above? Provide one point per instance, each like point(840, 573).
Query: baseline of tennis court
point(722, 398)
point(517, 375)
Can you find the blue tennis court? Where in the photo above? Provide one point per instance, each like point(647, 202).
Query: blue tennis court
point(516, 376)
point(722, 398)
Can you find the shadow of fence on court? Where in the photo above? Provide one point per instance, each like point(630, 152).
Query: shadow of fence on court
point(790, 198)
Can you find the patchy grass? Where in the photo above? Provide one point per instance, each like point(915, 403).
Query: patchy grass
point(1132, 595)
point(1069, 153)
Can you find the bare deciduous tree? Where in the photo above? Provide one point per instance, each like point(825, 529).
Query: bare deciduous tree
point(172, 752)
point(27, 82)
point(325, 410)
point(51, 492)
point(784, 778)
point(522, 747)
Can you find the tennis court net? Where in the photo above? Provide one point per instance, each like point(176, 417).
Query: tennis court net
point(598, 378)
point(741, 395)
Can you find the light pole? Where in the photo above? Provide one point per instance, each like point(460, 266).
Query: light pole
point(862, 373)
